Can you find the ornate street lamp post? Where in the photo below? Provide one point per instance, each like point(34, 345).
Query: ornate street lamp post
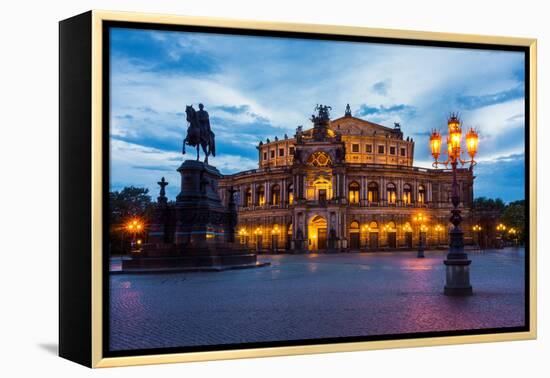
point(420, 219)
point(134, 227)
point(438, 230)
point(275, 238)
point(457, 262)
point(513, 233)
point(243, 235)
point(501, 228)
point(258, 233)
point(477, 232)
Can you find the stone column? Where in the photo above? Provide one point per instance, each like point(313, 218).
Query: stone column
point(283, 198)
point(254, 194)
point(267, 193)
point(383, 190)
point(362, 196)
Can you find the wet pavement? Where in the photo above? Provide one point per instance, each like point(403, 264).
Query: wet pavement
point(314, 296)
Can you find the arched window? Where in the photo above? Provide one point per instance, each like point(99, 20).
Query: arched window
point(248, 197)
point(275, 194)
point(392, 193)
point(390, 227)
point(260, 193)
point(290, 194)
point(372, 194)
point(421, 194)
point(319, 159)
point(407, 191)
point(354, 188)
point(373, 226)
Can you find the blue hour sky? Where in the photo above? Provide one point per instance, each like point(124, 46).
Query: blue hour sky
point(256, 88)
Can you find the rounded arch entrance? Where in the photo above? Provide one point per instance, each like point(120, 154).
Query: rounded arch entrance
point(288, 236)
point(354, 235)
point(391, 234)
point(373, 235)
point(317, 233)
point(408, 232)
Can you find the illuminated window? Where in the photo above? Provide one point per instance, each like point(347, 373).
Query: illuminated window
point(290, 191)
point(421, 194)
point(372, 194)
point(407, 191)
point(261, 195)
point(392, 193)
point(355, 148)
point(368, 148)
point(275, 194)
point(381, 149)
point(319, 159)
point(354, 192)
point(248, 197)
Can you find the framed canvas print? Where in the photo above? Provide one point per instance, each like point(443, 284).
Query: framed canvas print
point(235, 189)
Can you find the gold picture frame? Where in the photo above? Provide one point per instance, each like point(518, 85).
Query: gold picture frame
point(92, 24)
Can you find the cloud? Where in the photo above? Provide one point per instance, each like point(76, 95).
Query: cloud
point(475, 102)
point(155, 163)
point(504, 177)
point(257, 88)
point(365, 110)
point(381, 87)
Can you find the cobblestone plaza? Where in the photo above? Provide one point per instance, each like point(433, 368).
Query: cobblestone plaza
point(314, 296)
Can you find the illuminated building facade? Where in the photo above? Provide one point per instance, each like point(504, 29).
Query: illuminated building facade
point(344, 185)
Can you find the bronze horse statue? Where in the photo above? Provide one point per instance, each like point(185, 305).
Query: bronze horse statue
point(198, 135)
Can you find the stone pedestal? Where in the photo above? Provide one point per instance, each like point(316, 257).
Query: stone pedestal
point(200, 216)
point(457, 267)
point(458, 278)
point(195, 233)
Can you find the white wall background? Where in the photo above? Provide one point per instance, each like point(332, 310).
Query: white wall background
point(29, 186)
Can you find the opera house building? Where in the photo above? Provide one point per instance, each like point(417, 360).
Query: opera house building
point(345, 184)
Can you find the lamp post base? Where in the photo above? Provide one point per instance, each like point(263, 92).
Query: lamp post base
point(420, 253)
point(458, 277)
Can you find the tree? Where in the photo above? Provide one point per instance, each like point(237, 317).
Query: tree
point(514, 216)
point(489, 204)
point(131, 202)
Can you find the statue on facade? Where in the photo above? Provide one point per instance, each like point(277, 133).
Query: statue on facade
point(199, 133)
point(323, 114)
point(162, 195)
point(348, 111)
point(299, 134)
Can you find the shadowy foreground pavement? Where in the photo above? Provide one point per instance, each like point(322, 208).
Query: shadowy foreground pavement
point(314, 296)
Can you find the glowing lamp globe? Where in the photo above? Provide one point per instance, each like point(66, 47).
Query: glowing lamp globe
point(471, 142)
point(435, 144)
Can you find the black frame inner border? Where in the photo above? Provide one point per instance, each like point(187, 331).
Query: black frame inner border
point(107, 25)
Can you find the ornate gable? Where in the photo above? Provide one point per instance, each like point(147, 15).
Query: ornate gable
point(349, 125)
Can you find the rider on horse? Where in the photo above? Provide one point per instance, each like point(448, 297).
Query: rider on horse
point(199, 133)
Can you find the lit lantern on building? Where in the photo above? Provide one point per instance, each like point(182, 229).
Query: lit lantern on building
point(435, 144)
point(471, 143)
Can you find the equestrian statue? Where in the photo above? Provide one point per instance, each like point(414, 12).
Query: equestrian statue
point(199, 133)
